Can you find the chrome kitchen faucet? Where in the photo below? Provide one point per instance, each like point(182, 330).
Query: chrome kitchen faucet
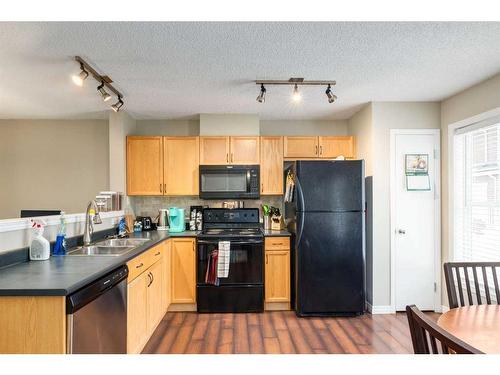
point(89, 224)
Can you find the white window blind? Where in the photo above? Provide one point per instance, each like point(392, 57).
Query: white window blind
point(477, 192)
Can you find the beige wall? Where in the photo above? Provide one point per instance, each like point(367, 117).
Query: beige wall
point(51, 164)
point(303, 127)
point(229, 124)
point(361, 126)
point(168, 127)
point(120, 125)
point(474, 101)
point(272, 127)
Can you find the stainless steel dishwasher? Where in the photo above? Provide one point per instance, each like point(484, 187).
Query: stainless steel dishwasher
point(97, 316)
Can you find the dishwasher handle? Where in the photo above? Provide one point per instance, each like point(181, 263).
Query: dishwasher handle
point(88, 293)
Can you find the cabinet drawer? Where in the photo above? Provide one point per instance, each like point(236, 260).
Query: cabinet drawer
point(277, 243)
point(138, 265)
point(142, 262)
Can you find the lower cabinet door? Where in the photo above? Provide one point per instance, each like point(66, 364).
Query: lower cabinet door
point(155, 298)
point(277, 284)
point(167, 273)
point(183, 270)
point(137, 313)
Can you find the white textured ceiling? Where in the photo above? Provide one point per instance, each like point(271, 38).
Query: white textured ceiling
point(178, 70)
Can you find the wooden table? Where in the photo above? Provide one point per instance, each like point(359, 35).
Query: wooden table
point(478, 326)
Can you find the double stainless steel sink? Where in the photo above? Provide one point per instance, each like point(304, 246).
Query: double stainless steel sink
point(109, 247)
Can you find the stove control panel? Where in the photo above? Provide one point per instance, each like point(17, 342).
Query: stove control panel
point(231, 216)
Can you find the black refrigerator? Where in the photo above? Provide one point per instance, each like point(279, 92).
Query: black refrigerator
point(326, 215)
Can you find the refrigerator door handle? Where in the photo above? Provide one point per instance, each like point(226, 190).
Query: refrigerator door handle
point(300, 195)
point(300, 227)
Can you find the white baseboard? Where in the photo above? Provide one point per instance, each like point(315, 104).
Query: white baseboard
point(444, 309)
point(380, 309)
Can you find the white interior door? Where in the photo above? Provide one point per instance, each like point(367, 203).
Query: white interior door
point(415, 220)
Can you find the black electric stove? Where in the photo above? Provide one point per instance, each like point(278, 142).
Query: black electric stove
point(243, 289)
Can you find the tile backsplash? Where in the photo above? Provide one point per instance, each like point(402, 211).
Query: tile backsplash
point(148, 206)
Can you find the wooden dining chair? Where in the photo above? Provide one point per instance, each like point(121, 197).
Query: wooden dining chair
point(482, 288)
point(428, 338)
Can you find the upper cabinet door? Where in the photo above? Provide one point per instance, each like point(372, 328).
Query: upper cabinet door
point(181, 161)
point(214, 150)
point(244, 150)
point(332, 147)
point(144, 165)
point(301, 147)
point(271, 165)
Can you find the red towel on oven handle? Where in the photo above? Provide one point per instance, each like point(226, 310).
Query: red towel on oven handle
point(211, 275)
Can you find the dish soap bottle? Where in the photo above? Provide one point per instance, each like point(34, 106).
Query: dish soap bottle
point(40, 246)
point(60, 246)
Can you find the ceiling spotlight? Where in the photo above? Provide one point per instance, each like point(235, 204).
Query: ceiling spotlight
point(296, 94)
point(262, 96)
point(330, 95)
point(104, 94)
point(82, 76)
point(116, 107)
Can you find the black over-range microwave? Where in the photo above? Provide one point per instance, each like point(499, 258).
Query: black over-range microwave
point(229, 181)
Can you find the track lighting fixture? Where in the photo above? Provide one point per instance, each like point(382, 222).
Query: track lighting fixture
point(116, 107)
point(296, 82)
point(80, 77)
point(104, 80)
point(331, 97)
point(102, 91)
point(262, 95)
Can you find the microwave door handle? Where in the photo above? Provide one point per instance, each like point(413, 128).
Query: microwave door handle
point(249, 177)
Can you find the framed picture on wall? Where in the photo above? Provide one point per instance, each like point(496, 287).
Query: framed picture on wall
point(416, 164)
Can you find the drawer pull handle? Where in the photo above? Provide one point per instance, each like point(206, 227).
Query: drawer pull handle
point(139, 265)
point(158, 253)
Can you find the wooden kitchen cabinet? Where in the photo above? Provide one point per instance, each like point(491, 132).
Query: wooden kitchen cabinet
point(183, 271)
point(277, 273)
point(214, 150)
point(229, 150)
point(181, 165)
point(244, 150)
point(137, 313)
point(301, 147)
point(146, 301)
point(332, 147)
point(155, 296)
point(144, 165)
point(271, 165)
point(167, 274)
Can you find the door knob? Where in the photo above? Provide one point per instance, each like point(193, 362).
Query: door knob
point(401, 231)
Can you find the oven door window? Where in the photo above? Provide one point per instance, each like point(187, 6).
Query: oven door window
point(245, 266)
point(230, 181)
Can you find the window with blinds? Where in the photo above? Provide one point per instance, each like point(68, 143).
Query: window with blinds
point(477, 192)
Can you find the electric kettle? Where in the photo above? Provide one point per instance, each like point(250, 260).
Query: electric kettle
point(163, 219)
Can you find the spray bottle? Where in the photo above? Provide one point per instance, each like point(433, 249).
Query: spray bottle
point(40, 246)
point(60, 246)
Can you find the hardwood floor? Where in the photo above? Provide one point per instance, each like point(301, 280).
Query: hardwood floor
point(280, 332)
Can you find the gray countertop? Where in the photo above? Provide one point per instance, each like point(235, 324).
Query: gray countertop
point(61, 276)
point(276, 233)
